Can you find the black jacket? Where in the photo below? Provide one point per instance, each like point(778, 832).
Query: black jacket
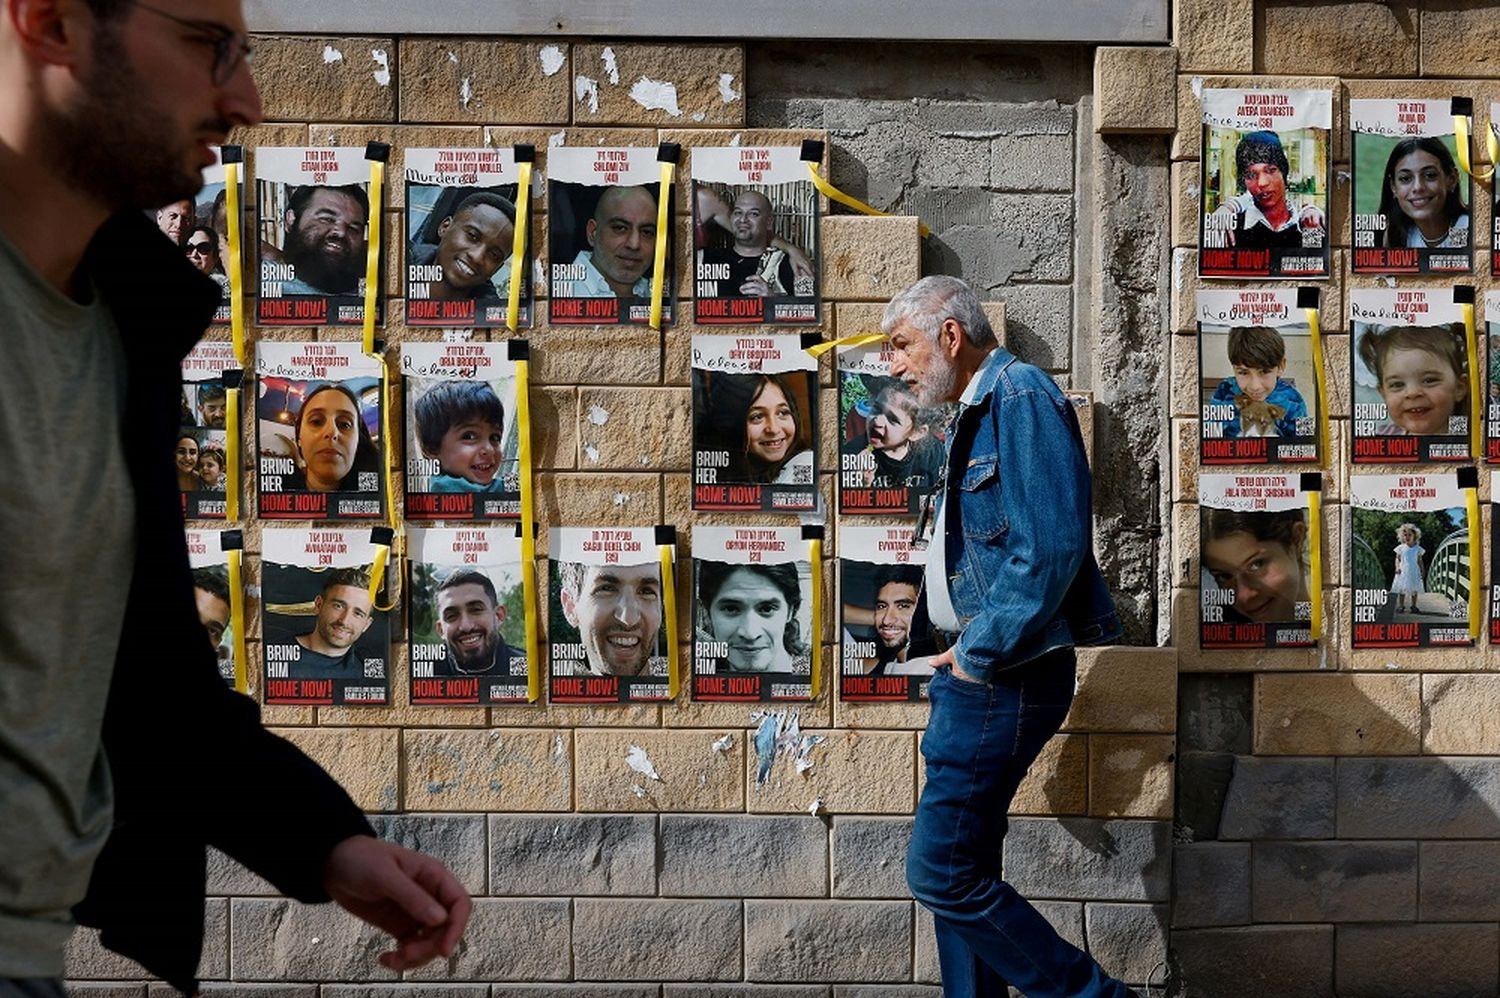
point(192, 765)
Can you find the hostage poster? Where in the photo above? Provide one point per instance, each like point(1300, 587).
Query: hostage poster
point(885, 640)
point(891, 449)
point(204, 474)
point(1255, 556)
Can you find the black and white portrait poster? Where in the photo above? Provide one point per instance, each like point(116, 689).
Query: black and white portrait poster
point(204, 475)
point(1265, 175)
point(468, 616)
point(754, 424)
point(215, 601)
point(1255, 555)
point(607, 627)
point(462, 432)
point(891, 450)
point(312, 225)
point(755, 236)
point(318, 419)
point(199, 226)
point(602, 232)
point(325, 638)
point(885, 635)
point(461, 222)
point(753, 630)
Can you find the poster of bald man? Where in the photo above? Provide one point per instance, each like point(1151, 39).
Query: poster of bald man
point(607, 626)
point(886, 645)
point(467, 623)
point(312, 225)
point(215, 600)
point(461, 226)
point(755, 237)
point(602, 236)
point(205, 477)
point(325, 633)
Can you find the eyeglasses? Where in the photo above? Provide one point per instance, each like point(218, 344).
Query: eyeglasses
point(230, 47)
point(202, 248)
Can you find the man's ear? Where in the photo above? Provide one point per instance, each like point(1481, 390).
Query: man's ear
point(951, 347)
point(569, 606)
point(443, 226)
point(499, 614)
point(289, 221)
point(589, 230)
point(52, 32)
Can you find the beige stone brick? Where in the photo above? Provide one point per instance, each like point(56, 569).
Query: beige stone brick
point(595, 355)
point(868, 258)
point(1338, 714)
point(554, 427)
point(562, 715)
point(1187, 202)
point(607, 136)
point(1121, 688)
point(1461, 715)
point(854, 772)
point(1135, 89)
point(304, 78)
point(1188, 141)
point(1336, 363)
point(497, 81)
point(1460, 39)
point(694, 776)
point(1346, 39)
point(1130, 776)
point(400, 713)
point(635, 429)
point(499, 769)
point(269, 133)
point(1185, 450)
point(890, 716)
point(1192, 657)
point(678, 85)
point(603, 500)
point(1214, 36)
point(688, 713)
point(1058, 782)
point(365, 761)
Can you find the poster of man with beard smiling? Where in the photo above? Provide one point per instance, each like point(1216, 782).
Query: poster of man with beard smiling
point(468, 616)
point(312, 220)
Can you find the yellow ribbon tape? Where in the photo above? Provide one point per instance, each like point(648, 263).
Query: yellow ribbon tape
point(236, 272)
point(1476, 414)
point(833, 193)
point(1315, 544)
point(372, 254)
point(659, 270)
point(237, 619)
point(819, 349)
point(1324, 453)
point(232, 455)
point(815, 555)
point(518, 246)
point(1476, 566)
point(669, 626)
point(377, 574)
point(528, 531)
point(1461, 139)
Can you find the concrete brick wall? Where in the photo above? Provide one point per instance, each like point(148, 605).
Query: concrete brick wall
point(589, 879)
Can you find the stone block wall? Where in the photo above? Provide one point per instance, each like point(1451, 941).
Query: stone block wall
point(590, 879)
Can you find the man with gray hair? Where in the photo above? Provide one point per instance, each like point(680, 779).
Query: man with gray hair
point(1012, 586)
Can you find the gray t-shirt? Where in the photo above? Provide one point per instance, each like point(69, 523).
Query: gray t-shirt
point(67, 549)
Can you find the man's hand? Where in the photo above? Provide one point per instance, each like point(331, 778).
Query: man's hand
point(413, 897)
point(1227, 210)
point(756, 286)
point(949, 659)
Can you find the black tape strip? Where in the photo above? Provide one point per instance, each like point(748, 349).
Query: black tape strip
point(524, 152)
point(1312, 481)
point(231, 540)
point(812, 531)
point(232, 378)
point(669, 152)
point(812, 151)
point(1468, 476)
point(1307, 297)
point(380, 151)
point(1462, 106)
point(810, 340)
point(666, 534)
point(382, 536)
point(1463, 294)
point(379, 345)
point(231, 154)
point(518, 349)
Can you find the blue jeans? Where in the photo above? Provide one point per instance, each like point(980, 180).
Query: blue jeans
point(980, 740)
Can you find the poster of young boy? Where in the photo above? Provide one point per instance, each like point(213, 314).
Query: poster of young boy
point(601, 218)
point(203, 472)
point(755, 236)
point(326, 639)
point(1411, 376)
point(1265, 171)
point(886, 643)
point(199, 226)
point(460, 232)
point(1492, 379)
point(1411, 200)
point(752, 614)
point(891, 450)
point(462, 436)
point(1409, 560)
point(607, 629)
point(214, 599)
point(312, 219)
point(319, 438)
point(1255, 561)
point(467, 623)
point(1257, 383)
point(755, 424)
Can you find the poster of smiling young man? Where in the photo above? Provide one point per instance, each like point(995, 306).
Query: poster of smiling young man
point(199, 226)
point(204, 476)
point(462, 434)
point(755, 236)
point(891, 450)
point(214, 598)
point(312, 217)
point(1411, 376)
point(326, 639)
point(1265, 170)
point(467, 623)
point(460, 232)
point(1257, 382)
point(755, 424)
point(752, 614)
point(1411, 200)
point(1409, 560)
point(319, 437)
point(601, 218)
point(607, 627)
point(1255, 556)
point(885, 634)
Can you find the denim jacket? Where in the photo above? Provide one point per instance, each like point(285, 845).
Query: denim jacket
point(1020, 560)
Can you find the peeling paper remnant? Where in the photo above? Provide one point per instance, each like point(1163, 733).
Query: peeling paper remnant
point(553, 60)
point(331, 55)
point(1197, 87)
point(591, 452)
point(815, 806)
point(638, 790)
point(556, 139)
point(727, 93)
point(453, 57)
point(611, 67)
point(637, 759)
point(382, 74)
point(621, 498)
point(656, 95)
point(465, 92)
point(804, 759)
point(585, 89)
point(724, 744)
point(598, 415)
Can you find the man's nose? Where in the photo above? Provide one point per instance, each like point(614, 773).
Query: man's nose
point(628, 611)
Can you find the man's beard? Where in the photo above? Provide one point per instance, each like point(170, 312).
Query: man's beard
point(483, 658)
point(884, 653)
point(318, 270)
point(937, 387)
